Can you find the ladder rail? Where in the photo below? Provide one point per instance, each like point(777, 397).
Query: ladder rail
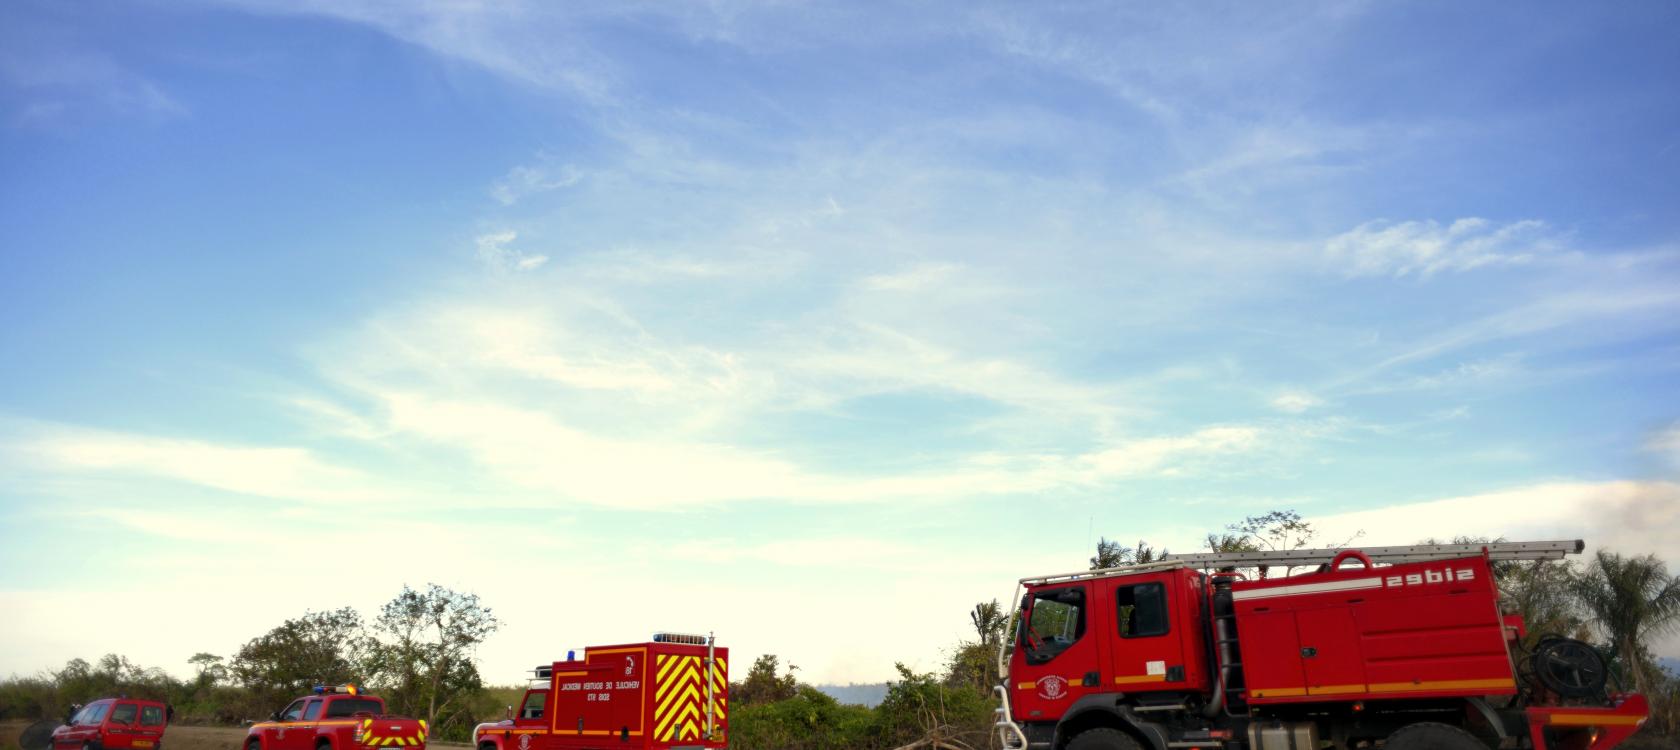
point(1545, 550)
point(1499, 551)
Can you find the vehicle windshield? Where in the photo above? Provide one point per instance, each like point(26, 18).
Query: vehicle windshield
point(351, 706)
point(1055, 620)
point(533, 708)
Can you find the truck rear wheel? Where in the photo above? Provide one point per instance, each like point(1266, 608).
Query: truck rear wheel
point(1103, 739)
point(1429, 735)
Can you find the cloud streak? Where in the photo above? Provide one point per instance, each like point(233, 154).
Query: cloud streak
point(1425, 248)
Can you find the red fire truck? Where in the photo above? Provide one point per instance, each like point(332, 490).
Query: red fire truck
point(1403, 648)
point(671, 693)
point(336, 718)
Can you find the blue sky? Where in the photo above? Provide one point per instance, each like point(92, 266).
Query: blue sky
point(767, 317)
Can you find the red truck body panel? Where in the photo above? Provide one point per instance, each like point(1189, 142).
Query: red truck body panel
point(638, 696)
point(1428, 629)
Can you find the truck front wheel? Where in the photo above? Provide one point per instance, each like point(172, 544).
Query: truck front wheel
point(1429, 735)
point(1103, 739)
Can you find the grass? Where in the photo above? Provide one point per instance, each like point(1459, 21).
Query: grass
point(177, 737)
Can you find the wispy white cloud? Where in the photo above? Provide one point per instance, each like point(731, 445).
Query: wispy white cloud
point(1665, 444)
point(60, 82)
point(916, 278)
point(1627, 516)
point(493, 250)
point(260, 471)
point(1295, 402)
point(531, 179)
point(1425, 248)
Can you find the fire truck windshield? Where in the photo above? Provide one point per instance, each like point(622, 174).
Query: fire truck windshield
point(1055, 621)
point(533, 708)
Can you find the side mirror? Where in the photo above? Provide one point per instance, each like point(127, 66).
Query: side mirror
point(274, 716)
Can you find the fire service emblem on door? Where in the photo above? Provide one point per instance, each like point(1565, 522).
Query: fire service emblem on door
point(1052, 687)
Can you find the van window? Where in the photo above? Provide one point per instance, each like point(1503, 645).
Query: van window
point(341, 707)
point(124, 713)
point(151, 716)
point(293, 712)
point(313, 712)
point(1055, 621)
point(96, 713)
point(1142, 610)
point(533, 708)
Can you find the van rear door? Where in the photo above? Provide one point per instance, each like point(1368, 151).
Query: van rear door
point(121, 725)
point(153, 719)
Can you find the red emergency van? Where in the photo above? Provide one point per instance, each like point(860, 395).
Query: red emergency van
point(114, 724)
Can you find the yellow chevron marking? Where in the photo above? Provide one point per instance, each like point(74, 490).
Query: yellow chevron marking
point(685, 670)
point(666, 662)
point(686, 708)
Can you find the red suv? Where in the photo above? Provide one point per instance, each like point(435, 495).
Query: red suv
point(114, 724)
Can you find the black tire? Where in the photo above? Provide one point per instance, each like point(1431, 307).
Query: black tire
point(1103, 739)
point(253, 744)
point(1429, 735)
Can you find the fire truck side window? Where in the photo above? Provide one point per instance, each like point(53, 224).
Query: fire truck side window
point(294, 711)
point(533, 706)
point(1141, 610)
point(1055, 621)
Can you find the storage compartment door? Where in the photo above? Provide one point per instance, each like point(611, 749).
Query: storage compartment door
point(1271, 653)
point(1330, 651)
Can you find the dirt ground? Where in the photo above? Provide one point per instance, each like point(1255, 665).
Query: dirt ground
point(177, 737)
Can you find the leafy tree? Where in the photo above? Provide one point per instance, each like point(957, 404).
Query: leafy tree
point(1230, 542)
point(210, 669)
point(1630, 599)
point(1277, 530)
point(763, 685)
point(974, 663)
point(1111, 554)
point(317, 648)
point(426, 661)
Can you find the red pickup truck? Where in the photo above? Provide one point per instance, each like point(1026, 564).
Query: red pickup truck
point(336, 718)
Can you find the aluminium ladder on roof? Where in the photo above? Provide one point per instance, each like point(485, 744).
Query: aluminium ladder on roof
point(1550, 550)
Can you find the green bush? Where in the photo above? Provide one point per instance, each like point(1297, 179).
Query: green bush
point(810, 720)
point(923, 705)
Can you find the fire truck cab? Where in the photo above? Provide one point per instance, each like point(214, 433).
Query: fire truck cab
point(1403, 648)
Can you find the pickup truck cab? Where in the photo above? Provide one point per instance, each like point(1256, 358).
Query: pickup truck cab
point(114, 724)
point(335, 718)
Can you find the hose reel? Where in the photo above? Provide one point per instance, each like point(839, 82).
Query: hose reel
point(1569, 668)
